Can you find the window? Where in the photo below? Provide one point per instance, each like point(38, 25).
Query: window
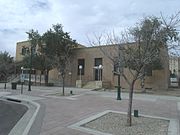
point(97, 71)
point(116, 64)
point(81, 63)
point(33, 50)
point(24, 50)
point(148, 70)
point(98, 61)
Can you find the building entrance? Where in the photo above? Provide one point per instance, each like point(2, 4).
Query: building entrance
point(98, 69)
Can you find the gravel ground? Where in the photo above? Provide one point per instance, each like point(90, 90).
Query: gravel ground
point(115, 123)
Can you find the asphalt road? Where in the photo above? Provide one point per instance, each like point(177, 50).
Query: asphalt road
point(10, 113)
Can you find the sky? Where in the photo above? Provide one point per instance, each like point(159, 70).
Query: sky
point(81, 18)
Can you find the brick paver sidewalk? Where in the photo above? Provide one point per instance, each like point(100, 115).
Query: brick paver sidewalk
point(62, 112)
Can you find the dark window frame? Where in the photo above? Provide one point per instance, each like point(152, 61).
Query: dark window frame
point(148, 71)
point(97, 62)
point(82, 63)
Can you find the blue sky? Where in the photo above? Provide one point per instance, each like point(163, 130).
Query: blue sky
point(79, 17)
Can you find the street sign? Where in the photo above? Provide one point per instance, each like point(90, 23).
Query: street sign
point(22, 78)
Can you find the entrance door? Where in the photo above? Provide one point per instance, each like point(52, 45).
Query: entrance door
point(97, 71)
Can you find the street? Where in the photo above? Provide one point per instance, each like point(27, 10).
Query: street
point(10, 113)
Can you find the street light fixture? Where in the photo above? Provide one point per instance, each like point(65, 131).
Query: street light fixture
point(80, 71)
point(100, 72)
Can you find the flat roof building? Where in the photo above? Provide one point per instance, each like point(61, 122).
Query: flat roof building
point(95, 69)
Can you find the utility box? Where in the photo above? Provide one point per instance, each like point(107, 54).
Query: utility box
point(136, 113)
point(13, 85)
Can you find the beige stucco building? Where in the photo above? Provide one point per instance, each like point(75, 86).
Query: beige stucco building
point(94, 56)
point(94, 68)
point(174, 65)
point(22, 48)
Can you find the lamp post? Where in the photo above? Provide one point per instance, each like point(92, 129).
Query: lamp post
point(119, 88)
point(80, 71)
point(100, 72)
point(26, 50)
point(70, 75)
point(30, 69)
point(22, 79)
point(119, 73)
point(80, 76)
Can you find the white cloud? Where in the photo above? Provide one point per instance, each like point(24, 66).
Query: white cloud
point(79, 17)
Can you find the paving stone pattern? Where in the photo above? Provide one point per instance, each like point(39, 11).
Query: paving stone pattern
point(61, 112)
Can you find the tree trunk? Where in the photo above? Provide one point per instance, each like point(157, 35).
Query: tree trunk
point(129, 120)
point(46, 77)
point(63, 77)
point(40, 79)
point(35, 78)
point(5, 85)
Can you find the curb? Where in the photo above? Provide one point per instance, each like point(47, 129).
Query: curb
point(28, 127)
point(172, 129)
point(29, 117)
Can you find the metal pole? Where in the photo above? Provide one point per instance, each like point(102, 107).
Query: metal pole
point(22, 80)
point(80, 71)
point(29, 87)
point(21, 87)
point(119, 88)
point(63, 83)
point(80, 74)
point(119, 75)
point(5, 83)
point(98, 73)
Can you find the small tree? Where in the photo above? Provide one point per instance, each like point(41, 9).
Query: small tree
point(35, 39)
point(58, 46)
point(7, 66)
point(139, 48)
point(39, 62)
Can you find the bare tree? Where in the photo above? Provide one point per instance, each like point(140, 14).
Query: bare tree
point(139, 48)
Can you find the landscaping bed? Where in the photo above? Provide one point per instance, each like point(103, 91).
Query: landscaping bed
point(115, 123)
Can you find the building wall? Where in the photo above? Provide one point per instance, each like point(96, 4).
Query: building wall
point(158, 81)
point(54, 77)
point(19, 46)
point(37, 77)
point(174, 65)
point(89, 54)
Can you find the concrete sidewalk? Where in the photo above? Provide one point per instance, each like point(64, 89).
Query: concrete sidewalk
point(61, 112)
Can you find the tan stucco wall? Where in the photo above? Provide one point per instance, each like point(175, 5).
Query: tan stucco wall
point(19, 46)
point(53, 74)
point(89, 54)
point(159, 79)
